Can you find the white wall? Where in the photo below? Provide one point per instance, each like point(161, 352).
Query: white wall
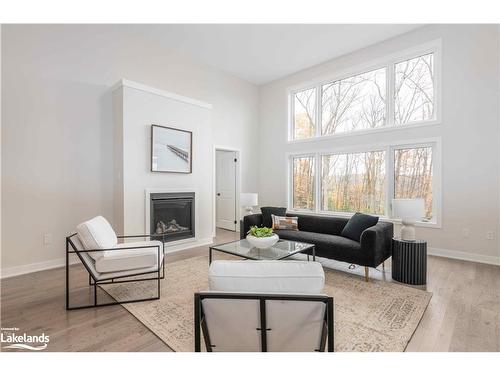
point(469, 131)
point(57, 143)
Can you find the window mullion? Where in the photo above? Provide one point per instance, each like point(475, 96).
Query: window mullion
point(389, 180)
point(291, 116)
point(317, 183)
point(390, 89)
point(291, 187)
point(318, 111)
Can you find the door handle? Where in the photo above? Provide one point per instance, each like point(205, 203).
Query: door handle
point(218, 194)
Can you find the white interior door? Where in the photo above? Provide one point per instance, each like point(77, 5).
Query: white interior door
point(225, 189)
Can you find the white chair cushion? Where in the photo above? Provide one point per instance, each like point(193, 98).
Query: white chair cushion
point(96, 233)
point(90, 263)
point(130, 259)
point(267, 276)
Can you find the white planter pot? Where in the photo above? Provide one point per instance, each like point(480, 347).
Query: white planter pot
point(263, 242)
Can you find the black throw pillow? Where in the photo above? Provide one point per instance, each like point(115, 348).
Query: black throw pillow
point(357, 224)
point(267, 221)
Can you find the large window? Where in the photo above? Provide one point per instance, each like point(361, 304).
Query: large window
point(398, 92)
point(366, 181)
point(414, 90)
point(304, 114)
point(303, 183)
point(353, 182)
point(413, 175)
point(354, 103)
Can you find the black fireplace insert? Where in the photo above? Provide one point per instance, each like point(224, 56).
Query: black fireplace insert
point(172, 215)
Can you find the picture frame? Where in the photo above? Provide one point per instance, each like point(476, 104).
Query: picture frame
point(171, 150)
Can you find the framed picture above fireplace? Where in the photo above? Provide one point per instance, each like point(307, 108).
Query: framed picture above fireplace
point(171, 150)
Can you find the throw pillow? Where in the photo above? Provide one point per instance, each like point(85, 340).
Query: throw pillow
point(285, 222)
point(267, 221)
point(357, 224)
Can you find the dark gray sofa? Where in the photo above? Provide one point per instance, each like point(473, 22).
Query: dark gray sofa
point(324, 232)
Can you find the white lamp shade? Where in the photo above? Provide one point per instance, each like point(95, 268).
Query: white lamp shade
point(249, 199)
point(413, 209)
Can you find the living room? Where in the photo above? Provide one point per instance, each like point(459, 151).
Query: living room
point(182, 187)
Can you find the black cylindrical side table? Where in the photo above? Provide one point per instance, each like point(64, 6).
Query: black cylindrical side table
point(409, 261)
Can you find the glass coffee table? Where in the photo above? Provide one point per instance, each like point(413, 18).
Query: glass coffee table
point(280, 250)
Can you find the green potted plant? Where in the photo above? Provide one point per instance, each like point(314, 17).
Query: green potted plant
point(261, 237)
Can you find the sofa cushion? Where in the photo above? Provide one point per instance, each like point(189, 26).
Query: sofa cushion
point(320, 239)
point(96, 233)
point(328, 245)
point(124, 260)
point(357, 224)
point(266, 276)
point(268, 211)
point(321, 224)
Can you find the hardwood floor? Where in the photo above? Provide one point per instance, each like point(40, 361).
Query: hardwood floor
point(463, 315)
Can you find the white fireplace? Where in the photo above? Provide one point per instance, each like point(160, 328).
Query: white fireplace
point(137, 107)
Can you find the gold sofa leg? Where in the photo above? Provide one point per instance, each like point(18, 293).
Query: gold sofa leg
point(367, 272)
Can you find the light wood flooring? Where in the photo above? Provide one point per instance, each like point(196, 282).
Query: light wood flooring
point(463, 315)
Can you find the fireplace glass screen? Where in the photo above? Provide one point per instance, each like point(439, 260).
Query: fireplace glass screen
point(172, 216)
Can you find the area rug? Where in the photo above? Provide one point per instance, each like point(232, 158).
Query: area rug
point(374, 316)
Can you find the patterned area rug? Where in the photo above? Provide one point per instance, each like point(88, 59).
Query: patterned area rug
point(377, 316)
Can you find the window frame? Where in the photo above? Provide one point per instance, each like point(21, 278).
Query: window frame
point(290, 159)
point(291, 112)
point(388, 62)
point(389, 148)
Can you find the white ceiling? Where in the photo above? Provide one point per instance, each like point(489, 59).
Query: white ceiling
point(262, 53)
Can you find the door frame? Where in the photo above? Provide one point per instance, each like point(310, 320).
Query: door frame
point(237, 189)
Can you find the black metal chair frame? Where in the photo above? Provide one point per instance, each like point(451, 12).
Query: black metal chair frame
point(93, 279)
point(200, 324)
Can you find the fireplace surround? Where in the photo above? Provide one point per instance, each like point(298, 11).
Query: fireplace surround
point(172, 215)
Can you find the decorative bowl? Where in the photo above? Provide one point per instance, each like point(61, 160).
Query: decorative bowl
point(262, 242)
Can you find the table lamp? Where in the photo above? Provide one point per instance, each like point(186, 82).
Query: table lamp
point(249, 200)
point(409, 211)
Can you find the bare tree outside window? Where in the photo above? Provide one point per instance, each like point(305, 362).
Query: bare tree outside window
point(304, 117)
point(353, 182)
point(413, 175)
point(414, 90)
point(354, 103)
point(303, 183)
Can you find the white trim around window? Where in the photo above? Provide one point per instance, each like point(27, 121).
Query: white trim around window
point(389, 148)
point(388, 62)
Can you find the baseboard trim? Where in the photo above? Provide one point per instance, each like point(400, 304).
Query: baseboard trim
point(189, 245)
point(460, 255)
point(34, 267)
point(61, 262)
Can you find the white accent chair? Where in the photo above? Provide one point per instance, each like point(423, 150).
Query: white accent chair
point(96, 245)
point(264, 306)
